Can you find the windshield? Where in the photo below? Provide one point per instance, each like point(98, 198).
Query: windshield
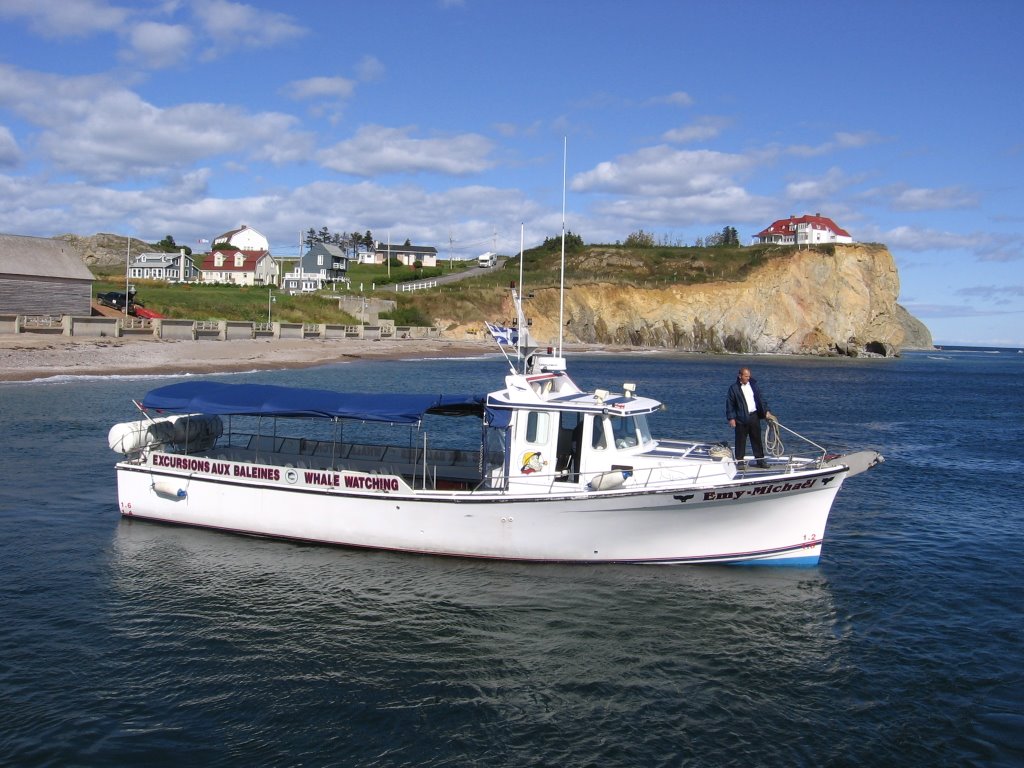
point(630, 431)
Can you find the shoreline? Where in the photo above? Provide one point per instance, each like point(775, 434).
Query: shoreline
point(38, 357)
point(33, 357)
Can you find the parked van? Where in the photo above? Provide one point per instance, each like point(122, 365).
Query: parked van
point(487, 260)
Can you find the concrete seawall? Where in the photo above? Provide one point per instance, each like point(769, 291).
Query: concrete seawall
point(220, 330)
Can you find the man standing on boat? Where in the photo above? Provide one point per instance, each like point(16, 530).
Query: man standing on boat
point(744, 409)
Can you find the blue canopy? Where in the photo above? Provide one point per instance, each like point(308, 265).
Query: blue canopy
point(211, 397)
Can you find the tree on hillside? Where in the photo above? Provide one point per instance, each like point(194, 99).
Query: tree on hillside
point(727, 238)
point(169, 245)
point(573, 242)
point(640, 239)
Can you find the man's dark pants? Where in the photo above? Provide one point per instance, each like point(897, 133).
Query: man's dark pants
point(751, 427)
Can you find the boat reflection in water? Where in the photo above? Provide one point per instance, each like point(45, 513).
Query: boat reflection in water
point(387, 619)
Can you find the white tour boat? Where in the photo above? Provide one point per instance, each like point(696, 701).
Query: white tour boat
point(552, 474)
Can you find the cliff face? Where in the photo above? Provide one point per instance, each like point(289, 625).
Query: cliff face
point(104, 250)
point(805, 303)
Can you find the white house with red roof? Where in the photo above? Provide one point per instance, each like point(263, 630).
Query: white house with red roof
point(239, 267)
point(803, 230)
point(240, 257)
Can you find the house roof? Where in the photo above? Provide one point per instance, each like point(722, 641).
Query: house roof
point(226, 237)
point(252, 258)
point(817, 221)
point(156, 259)
point(41, 257)
point(333, 250)
point(229, 236)
point(397, 249)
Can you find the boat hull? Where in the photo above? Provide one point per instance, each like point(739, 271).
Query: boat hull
point(774, 519)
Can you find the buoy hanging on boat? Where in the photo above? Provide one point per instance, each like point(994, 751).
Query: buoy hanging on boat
point(608, 480)
point(169, 490)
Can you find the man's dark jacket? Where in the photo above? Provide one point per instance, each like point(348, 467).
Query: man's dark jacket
point(736, 403)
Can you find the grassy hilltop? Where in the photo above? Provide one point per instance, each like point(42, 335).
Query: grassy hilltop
point(475, 298)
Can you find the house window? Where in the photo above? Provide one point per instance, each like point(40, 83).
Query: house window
point(320, 260)
point(239, 260)
point(218, 260)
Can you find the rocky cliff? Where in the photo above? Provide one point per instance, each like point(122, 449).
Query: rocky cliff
point(105, 250)
point(799, 302)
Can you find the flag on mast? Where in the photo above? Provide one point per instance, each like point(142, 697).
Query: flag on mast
point(508, 337)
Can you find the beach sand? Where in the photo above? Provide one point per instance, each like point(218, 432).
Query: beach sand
point(29, 356)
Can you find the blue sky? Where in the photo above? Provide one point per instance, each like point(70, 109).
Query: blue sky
point(443, 122)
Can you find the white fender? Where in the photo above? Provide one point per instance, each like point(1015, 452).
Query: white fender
point(607, 481)
point(169, 490)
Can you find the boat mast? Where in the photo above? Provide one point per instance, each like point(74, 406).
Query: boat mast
point(561, 279)
point(522, 341)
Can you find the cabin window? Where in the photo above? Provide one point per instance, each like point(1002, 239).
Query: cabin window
point(537, 427)
point(630, 431)
point(597, 440)
point(624, 432)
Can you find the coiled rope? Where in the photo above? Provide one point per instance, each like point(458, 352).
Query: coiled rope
point(720, 451)
point(773, 437)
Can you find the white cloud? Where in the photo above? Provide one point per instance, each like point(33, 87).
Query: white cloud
point(66, 18)
point(370, 69)
point(158, 46)
point(840, 140)
point(819, 188)
point(322, 88)
point(232, 25)
point(918, 239)
point(924, 199)
point(702, 129)
point(731, 204)
point(662, 170)
point(95, 129)
point(376, 150)
point(677, 98)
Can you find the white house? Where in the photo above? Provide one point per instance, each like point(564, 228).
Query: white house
point(803, 230)
point(245, 238)
point(408, 255)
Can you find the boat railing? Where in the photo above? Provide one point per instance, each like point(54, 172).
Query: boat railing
point(439, 468)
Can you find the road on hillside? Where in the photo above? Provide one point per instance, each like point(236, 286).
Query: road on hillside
point(454, 277)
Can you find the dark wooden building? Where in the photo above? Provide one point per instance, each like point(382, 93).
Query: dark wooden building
point(42, 276)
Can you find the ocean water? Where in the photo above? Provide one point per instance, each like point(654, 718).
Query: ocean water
point(127, 643)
